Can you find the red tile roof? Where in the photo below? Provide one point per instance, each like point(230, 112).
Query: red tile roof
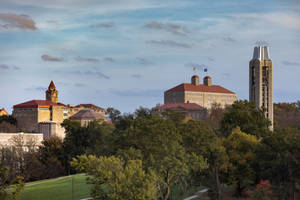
point(87, 114)
point(38, 104)
point(199, 88)
point(91, 106)
point(186, 106)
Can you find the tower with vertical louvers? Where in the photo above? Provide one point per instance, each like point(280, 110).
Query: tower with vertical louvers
point(261, 81)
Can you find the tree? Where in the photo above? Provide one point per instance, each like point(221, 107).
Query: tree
point(112, 179)
point(113, 114)
point(75, 142)
point(5, 183)
point(51, 155)
point(287, 115)
point(100, 140)
point(160, 142)
point(8, 119)
point(51, 148)
point(214, 116)
point(262, 191)
point(241, 149)
point(279, 160)
point(244, 115)
point(201, 140)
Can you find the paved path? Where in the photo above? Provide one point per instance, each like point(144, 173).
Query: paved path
point(196, 195)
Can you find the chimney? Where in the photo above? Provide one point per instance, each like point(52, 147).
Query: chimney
point(207, 81)
point(195, 80)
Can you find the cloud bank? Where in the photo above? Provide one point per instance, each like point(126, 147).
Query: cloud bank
point(13, 21)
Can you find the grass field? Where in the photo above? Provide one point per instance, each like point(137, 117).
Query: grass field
point(57, 189)
point(61, 189)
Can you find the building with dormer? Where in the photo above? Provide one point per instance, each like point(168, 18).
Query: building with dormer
point(205, 94)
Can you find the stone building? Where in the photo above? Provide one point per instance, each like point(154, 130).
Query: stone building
point(190, 110)
point(30, 113)
point(26, 140)
point(46, 116)
point(86, 116)
point(75, 109)
point(3, 112)
point(261, 81)
point(205, 94)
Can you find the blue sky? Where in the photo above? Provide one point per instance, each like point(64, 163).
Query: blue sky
point(126, 53)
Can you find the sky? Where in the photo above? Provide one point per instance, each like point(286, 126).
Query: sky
point(126, 53)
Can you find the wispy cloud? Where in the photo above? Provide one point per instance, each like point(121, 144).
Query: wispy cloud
point(211, 59)
point(169, 43)
point(136, 76)
point(51, 58)
point(229, 39)
point(197, 66)
point(144, 61)
point(79, 85)
point(169, 27)
point(107, 26)
point(13, 21)
point(34, 88)
point(82, 59)
point(289, 63)
point(109, 59)
point(4, 67)
point(98, 74)
point(8, 67)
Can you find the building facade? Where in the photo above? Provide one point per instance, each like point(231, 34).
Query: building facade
point(84, 117)
point(189, 110)
point(205, 95)
point(46, 116)
point(26, 140)
point(261, 81)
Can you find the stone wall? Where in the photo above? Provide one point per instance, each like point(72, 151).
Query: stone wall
point(25, 139)
point(50, 129)
point(26, 118)
point(205, 99)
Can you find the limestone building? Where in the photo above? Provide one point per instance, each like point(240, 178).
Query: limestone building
point(85, 116)
point(190, 110)
point(46, 116)
point(26, 140)
point(205, 94)
point(261, 81)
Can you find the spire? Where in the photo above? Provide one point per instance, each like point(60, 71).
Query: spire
point(261, 53)
point(51, 86)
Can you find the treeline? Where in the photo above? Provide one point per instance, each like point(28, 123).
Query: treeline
point(144, 155)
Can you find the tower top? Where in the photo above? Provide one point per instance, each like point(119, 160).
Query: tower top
point(51, 86)
point(261, 53)
point(52, 93)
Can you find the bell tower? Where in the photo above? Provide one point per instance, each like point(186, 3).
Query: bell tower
point(261, 81)
point(52, 93)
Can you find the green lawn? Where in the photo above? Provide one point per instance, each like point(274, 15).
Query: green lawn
point(57, 189)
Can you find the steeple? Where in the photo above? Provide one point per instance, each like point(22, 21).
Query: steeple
point(51, 86)
point(52, 93)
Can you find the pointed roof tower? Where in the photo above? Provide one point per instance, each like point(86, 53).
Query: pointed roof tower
point(51, 86)
point(52, 93)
